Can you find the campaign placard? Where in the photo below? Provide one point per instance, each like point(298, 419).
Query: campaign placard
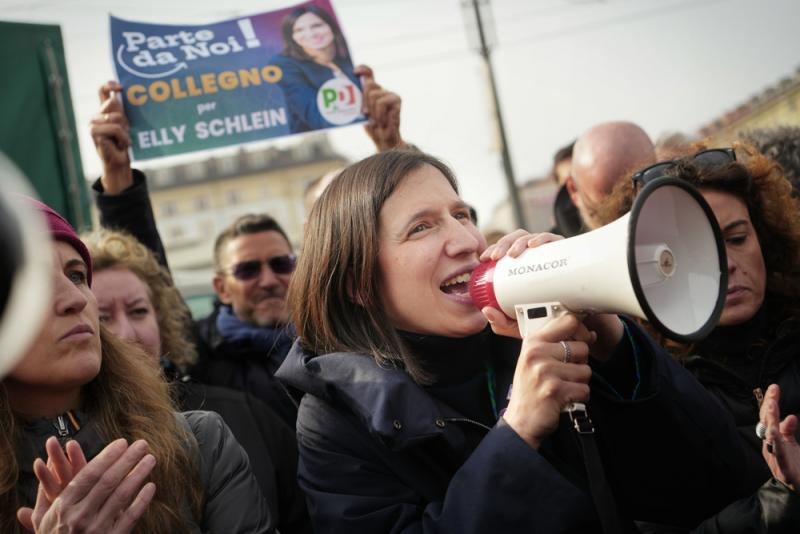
point(188, 88)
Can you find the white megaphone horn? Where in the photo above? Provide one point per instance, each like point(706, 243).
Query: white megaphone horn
point(664, 261)
point(26, 274)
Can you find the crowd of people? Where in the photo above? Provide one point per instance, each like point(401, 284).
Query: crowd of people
point(355, 387)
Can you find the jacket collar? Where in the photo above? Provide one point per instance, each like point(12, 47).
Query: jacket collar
point(35, 434)
point(385, 399)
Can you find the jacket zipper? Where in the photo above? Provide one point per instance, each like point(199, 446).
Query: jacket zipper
point(62, 428)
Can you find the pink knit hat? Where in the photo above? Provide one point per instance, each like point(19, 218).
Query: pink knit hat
point(61, 230)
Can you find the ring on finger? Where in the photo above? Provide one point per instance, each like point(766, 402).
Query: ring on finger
point(761, 430)
point(567, 351)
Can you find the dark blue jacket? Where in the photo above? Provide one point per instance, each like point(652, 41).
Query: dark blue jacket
point(379, 454)
point(300, 82)
point(240, 365)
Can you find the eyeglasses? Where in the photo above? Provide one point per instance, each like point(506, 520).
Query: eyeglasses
point(706, 158)
point(250, 270)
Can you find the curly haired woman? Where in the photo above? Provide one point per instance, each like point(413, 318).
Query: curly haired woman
point(138, 302)
point(757, 339)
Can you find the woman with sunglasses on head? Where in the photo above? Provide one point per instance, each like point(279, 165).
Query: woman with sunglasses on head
point(131, 461)
point(409, 422)
point(751, 361)
point(139, 303)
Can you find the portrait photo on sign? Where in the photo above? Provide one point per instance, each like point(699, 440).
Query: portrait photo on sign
point(195, 87)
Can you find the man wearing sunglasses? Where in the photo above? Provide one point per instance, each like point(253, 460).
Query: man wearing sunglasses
point(603, 156)
point(247, 336)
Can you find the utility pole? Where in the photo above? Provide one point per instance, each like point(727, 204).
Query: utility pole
point(485, 52)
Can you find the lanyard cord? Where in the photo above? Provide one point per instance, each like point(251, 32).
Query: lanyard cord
point(490, 386)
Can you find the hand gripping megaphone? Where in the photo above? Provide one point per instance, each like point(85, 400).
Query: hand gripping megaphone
point(25, 267)
point(664, 261)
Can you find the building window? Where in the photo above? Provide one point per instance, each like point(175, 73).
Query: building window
point(168, 209)
point(163, 177)
point(303, 150)
point(233, 197)
point(228, 165)
point(196, 171)
point(201, 203)
point(176, 232)
point(257, 160)
point(206, 228)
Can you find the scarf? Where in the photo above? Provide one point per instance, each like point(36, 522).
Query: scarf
point(275, 342)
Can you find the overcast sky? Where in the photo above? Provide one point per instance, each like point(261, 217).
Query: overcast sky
point(561, 66)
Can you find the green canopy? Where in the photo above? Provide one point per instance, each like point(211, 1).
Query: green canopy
point(37, 128)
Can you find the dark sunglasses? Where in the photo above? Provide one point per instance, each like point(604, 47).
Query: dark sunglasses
point(706, 158)
point(250, 270)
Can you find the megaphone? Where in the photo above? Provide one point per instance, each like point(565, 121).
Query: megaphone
point(664, 261)
point(25, 267)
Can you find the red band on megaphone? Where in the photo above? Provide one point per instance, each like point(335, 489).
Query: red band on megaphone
point(481, 286)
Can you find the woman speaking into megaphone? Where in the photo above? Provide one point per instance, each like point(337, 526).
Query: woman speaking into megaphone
point(418, 417)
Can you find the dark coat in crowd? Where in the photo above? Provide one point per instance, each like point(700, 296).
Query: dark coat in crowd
point(737, 364)
point(567, 218)
point(244, 365)
point(233, 502)
point(131, 212)
point(379, 453)
point(270, 445)
point(773, 509)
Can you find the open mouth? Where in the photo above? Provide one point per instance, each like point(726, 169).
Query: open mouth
point(456, 285)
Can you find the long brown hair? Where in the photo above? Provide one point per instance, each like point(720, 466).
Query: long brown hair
point(294, 50)
point(761, 185)
point(127, 399)
point(111, 248)
point(335, 293)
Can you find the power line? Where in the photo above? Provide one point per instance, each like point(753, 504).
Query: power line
point(439, 57)
point(427, 59)
point(523, 17)
point(614, 21)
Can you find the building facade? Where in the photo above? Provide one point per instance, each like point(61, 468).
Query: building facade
point(194, 202)
point(778, 105)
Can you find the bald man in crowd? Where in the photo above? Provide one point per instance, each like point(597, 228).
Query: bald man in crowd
point(605, 154)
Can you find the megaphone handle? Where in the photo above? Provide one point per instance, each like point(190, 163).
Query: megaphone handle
point(533, 317)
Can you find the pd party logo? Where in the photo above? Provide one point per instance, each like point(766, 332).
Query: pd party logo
point(339, 101)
